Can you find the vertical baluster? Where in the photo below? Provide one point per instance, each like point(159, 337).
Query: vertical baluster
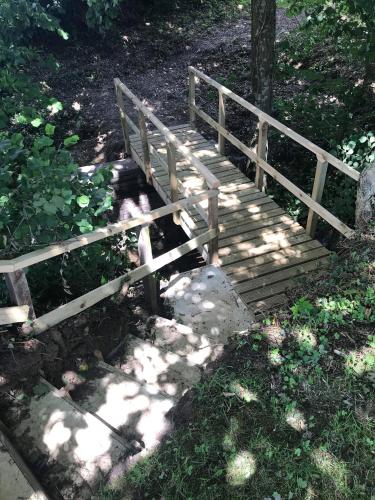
point(317, 193)
point(260, 175)
point(213, 223)
point(124, 123)
point(221, 138)
point(172, 170)
point(145, 146)
point(19, 292)
point(150, 283)
point(192, 114)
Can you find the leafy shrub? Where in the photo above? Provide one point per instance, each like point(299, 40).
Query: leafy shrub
point(42, 189)
point(43, 196)
point(351, 23)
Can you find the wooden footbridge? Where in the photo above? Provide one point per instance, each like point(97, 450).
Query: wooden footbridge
point(229, 218)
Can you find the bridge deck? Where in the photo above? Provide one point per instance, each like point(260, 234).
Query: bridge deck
point(261, 248)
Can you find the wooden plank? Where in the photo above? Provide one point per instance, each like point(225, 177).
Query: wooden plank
point(275, 261)
point(192, 118)
point(260, 307)
point(263, 223)
point(264, 233)
point(124, 123)
point(89, 299)
point(213, 224)
point(268, 291)
point(243, 246)
point(317, 193)
point(145, 145)
point(39, 493)
point(278, 125)
point(260, 176)
point(303, 267)
point(261, 215)
point(252, 251)
point(19, 292)
point(16, 314)
point(221, 139)
point(150, 284)
point(173, 179)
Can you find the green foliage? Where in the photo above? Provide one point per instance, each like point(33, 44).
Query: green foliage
point(43, 196)
point(351, 23)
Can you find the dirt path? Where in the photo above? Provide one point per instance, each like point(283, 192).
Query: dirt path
point(155, 70)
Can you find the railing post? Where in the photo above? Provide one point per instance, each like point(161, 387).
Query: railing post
point(145, 146)
point(149, 282)
point(260, 176)
point(213, 223)
point(192, 115)
point(317, 193)
point(221, 138)
point(172, 170)
point(19, 291)
point(124, 123)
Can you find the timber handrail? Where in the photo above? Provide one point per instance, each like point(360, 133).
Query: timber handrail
point(170, 137)
point(259, 156)
point(10, 268)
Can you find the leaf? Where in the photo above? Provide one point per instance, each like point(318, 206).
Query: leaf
point(301, 483)
point(49, 129)
point(83, 201)
point(55, 106)
point(3, 200)
point(63, 34)
point(70, 141)
point(36, 122)
point(49, 208)
point(42, 142)
point(85, 226)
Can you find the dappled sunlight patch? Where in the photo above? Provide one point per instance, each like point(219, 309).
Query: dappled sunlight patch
point(361, 361)
point(275, 357)
point(241, 468)
point(304, 336)
point(243, 392)
point(229, 439)
point(56, 434)
point(329, 465)
point(296, 419)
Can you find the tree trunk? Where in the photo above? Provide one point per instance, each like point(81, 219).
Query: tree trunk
point(263, 35)
point(365, 209)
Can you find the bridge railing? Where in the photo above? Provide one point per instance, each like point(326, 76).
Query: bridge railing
point(13, 269)
point(173, 146)
point(259, 154)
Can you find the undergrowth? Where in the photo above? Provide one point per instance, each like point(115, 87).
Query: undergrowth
point(289, 413)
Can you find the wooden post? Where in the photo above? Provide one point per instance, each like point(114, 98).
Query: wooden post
point(149, 282)
point(260, 176)
point(221, 138)
point(19, 291)
point(171, 153)
point(124, 123)
point(213, 223)
point(192, 116)
point(145, 146)
point(317, 192)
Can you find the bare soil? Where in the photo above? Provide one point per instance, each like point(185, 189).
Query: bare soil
point(154, 66)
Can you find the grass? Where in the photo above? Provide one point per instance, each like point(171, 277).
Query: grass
point(289, 413)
